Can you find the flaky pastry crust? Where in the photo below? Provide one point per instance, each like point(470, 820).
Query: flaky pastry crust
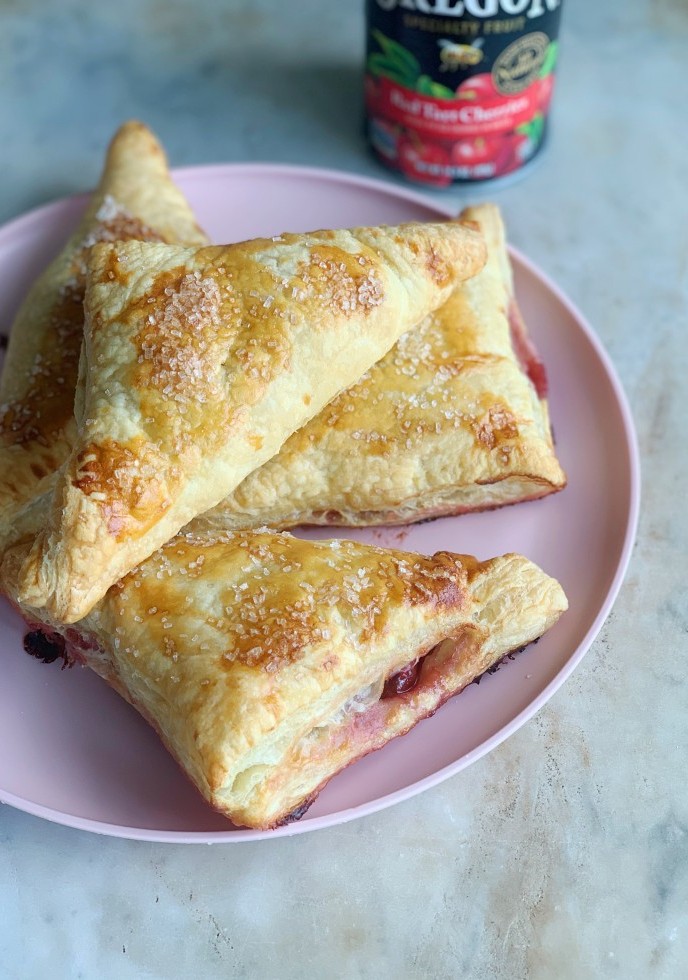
point(199, 362)
point(135, 198)
point(261, 658)
point(447, 422)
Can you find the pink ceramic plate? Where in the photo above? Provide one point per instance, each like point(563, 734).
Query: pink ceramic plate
point(73, 752)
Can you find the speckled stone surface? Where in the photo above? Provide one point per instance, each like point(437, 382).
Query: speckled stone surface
point(564, 853)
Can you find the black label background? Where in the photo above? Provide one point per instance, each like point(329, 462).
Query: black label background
point(423, 43)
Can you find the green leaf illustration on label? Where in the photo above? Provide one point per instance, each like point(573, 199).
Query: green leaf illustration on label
point(533, 129)
point(551, 55)
point(439, 91)
point(381, 65)
point(407, 63)
point(426, 86)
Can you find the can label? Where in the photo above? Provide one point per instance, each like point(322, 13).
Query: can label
point(459, 90)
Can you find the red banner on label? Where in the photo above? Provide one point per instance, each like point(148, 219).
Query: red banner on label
point(452, 119)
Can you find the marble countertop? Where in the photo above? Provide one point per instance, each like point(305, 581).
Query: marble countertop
point(563, 853)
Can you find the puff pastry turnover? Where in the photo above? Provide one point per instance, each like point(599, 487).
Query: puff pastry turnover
point(198, 363)
point(453, 419)
point(136, 198)
point(268, 663)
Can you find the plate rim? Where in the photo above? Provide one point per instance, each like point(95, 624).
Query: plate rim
point(22, 223)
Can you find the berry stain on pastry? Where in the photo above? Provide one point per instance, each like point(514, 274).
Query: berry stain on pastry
point(45, 648)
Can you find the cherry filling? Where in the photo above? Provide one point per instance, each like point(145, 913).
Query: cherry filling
point(507, 656)
point(46, 648)
point(297, 813)
point(525, 351)
point(403, 681)
point(406, 679)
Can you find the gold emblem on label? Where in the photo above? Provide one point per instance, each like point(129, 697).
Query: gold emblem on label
point(518, 65)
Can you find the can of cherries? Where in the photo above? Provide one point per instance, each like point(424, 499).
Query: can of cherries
point(459, 91)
